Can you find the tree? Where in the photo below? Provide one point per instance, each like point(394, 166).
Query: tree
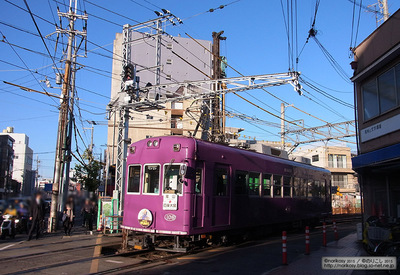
point(88, 174)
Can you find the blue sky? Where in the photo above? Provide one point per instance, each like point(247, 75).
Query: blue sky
point(256, 44)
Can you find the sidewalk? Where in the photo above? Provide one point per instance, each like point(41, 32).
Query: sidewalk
point(311, 264)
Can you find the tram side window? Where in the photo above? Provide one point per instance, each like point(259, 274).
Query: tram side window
point(151, 182)
point(199, 179)
point(310, 188)
point(296, 187)
point(325, 189)
point(221, 182)
point(286, 186)
point(266, 186)
point(318, 189)
point(172, 179)
point(277, 186)
point(241, 182)
point(254, 184)
point(134, 179)
point(303, 188)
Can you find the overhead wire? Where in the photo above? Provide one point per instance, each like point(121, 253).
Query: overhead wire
point(26, 66)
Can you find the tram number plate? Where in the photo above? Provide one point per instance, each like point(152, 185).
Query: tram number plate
point(170, 202)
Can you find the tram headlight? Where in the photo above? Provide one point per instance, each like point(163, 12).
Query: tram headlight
point(149, 143)
point(132, 149)
point(155, 143)
point(177, 147)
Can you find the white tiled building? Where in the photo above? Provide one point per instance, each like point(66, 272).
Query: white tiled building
point(23, 161)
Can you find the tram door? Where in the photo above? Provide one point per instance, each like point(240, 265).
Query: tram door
point(198, 196)
point(221, 199)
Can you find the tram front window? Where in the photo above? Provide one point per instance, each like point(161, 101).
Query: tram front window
point(151, 179)
point(172, 180)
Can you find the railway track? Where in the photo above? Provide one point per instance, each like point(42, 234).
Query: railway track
point(140, 260)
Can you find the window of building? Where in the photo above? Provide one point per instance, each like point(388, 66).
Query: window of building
point(277, 186)
point(370, 99)
point(147, 136)
point(169, 46)
point(177, 105)
point(176, 122)
point(339, 180)
point(149, 117)
point(169, 61)
point(382, 93)
point(315, 158)
point(198, 182)
point(387, 91)
point(254, 184)
point(337, 161)
point(172, 179)
point(134, 179)
point(266, 186)
point(168, 77)
point(241, 182)
point(221, 182)
point(287, 181)
point(397, 75)
point(151, 184)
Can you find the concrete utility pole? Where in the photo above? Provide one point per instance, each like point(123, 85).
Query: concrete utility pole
point(217, 131)
point(283, 126)
point(91, 135)
point(380, 8)
point(61, 147)
point(68, 141)
point(158, 56)
point(385, 9)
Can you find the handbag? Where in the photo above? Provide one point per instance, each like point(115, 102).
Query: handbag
point(64, 217)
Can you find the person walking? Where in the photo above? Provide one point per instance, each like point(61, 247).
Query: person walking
point(88, 213)
point(36, 216)
point(68, 217)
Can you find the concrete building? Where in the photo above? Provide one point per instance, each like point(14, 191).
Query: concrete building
point(23, 160)
point(377, 97)
point(6, 165)
point(172, 120)
point(337, 159)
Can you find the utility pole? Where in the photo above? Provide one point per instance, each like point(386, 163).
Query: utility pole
point(123, 123)
point(385, 9)
point(283, 130)
point(158, 56)
point(91, 135)
point(37, 173)
point(381, 8)
point(217, 131)
point(283, 126)
point(68, 142)
point(64, 109)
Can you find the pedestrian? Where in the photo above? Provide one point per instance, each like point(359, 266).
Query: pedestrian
point(68, 217)
point(36, 216)
point(88, 213)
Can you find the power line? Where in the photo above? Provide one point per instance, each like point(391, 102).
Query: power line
point(26, 66)
point(113, 12)
point(329, 96)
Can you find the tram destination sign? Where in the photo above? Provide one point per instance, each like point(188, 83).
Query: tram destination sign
point(170, 202)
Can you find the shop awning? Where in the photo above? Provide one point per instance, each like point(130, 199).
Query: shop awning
point(380, 157)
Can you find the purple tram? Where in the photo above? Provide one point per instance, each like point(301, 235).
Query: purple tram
point(182, 186)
